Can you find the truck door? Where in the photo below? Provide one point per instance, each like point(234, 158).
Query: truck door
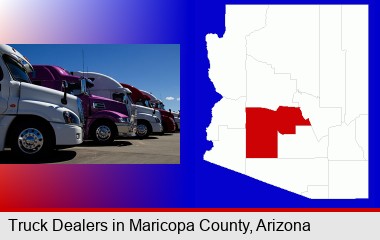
point(3, 95)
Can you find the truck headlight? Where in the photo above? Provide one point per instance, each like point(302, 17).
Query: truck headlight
point(70, 118)
point(124, 120)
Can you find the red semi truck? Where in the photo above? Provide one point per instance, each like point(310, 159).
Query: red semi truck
point(140, 98)
point(167, 117)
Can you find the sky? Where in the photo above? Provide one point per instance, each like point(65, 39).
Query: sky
point(151, 67)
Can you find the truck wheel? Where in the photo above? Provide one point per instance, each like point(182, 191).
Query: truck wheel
point(31, 140)
point(143, 129)
point(103, 133)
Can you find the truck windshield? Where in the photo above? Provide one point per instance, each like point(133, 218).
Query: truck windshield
point(120, 97)
point(75, 88)
point(80, 87)
point(17, 71)
point(147, 104)
point(158, 105)
point(128, 98)
point(161, 106)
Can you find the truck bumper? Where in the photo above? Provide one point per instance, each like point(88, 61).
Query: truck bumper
point(157, 127)
point(126, 129)
point(168, 124)
point(67, 134)
point(5, 122)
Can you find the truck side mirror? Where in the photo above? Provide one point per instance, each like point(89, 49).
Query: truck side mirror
point(83, 85)
point(64, 87)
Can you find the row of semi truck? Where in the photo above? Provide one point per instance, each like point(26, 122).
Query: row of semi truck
point(45, 107)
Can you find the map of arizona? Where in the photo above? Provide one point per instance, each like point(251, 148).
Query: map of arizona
point(294, 112)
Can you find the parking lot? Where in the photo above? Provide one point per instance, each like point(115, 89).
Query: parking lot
point(157, 149)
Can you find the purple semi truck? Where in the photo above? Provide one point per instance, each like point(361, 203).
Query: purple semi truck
point(105, 119)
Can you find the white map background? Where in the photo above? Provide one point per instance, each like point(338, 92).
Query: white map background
point(308, 56)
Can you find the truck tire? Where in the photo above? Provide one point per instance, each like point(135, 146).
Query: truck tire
point(31, 140)
point(143, 129)
point(103, 133)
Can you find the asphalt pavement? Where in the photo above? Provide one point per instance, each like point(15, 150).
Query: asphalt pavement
point(157, 149)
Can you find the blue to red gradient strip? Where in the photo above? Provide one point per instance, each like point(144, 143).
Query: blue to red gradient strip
point(192, 210)
point(94, 21)
point(85, 21)
point(91, 186)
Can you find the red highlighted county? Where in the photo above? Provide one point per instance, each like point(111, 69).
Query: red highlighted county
point(262, 126)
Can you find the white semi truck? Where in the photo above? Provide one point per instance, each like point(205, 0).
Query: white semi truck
point(34, 119)
point(148, 120)
point(157, 103)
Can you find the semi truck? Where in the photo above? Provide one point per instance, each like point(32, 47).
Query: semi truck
point(148, 119)
point(105, 119)
point(34, 119)
point(147, 123)
point(167, 117)
point(157, 103)
point(177, 119)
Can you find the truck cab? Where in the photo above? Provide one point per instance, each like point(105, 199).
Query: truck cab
point(177, 119)
point(148, 120)
point(34, 119)
point(145, 110)
point(105, 119)
point(168, 121)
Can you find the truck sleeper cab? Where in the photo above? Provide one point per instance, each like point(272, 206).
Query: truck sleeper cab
point(105, 119)
point(34, 119)
point(147, 119)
